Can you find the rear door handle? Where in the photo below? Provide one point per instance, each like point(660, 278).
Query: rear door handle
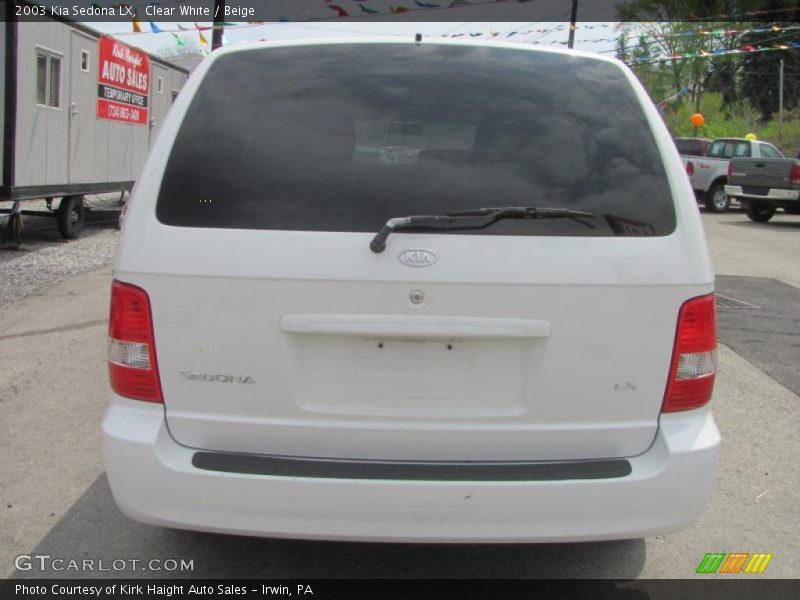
point(411, 326)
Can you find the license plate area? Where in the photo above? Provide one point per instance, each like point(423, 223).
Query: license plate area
point(755, 190)
point(385, 376)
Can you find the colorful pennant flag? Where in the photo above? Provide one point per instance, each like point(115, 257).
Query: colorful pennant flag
point(342, 12)
point(203, 40)
point(137, 26)
point(179, 40)
point(155, 28)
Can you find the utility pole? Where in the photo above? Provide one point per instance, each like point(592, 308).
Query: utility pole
point(219, 28)
point(698, 88)
point(780, 103)
point(572, 20)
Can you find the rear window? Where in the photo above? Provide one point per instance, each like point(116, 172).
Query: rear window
point(342, 138)
point(690, 147)
point(729, 149)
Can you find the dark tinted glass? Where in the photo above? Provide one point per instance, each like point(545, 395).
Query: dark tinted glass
point(344, 137)
point(768, 151)
point(691, 147)
point(729, 149)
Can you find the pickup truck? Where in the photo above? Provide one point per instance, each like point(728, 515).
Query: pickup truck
point(762, 185)
point(709, 173)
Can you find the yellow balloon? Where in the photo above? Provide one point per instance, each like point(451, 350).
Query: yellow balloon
point(751, 136)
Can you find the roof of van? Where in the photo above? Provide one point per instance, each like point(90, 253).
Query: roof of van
point(410, 40)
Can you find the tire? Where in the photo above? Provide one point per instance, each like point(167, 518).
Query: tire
point(760, 212)
point(716, 199)
point(70, 216)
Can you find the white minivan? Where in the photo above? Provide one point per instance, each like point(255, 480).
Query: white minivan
point(412, 291)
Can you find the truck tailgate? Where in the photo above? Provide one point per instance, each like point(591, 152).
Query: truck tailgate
point(763, 173)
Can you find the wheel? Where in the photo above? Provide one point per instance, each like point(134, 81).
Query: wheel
point(760, 212)
point(716, 199)
point(70, 216)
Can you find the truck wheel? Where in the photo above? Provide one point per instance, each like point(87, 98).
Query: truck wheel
point(717, 200)
point(70, 216)
point(760, 212)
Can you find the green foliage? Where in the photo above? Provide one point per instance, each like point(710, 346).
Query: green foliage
point(760, 73)
point(735, 121)
point(685, 10)
point(736, 93)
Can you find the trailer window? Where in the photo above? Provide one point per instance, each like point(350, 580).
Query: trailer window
point(85, 61)
point(160, 84)
point(48, 79)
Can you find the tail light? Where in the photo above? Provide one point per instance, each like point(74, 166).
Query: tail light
point(689, 168)
point(694, 357)
point(730, 169)
point(132, 366)
point(794, 177)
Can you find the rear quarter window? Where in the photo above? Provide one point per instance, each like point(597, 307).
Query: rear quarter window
point(768, 151)
point(343, 137)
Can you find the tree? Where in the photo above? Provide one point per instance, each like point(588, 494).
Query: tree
point(760, 70)
point(622, 47)
point(672, 24)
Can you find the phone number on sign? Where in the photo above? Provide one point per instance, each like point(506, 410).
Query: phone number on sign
point(121, 112)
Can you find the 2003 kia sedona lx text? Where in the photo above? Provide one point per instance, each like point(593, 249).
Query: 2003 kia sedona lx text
point(414, 291)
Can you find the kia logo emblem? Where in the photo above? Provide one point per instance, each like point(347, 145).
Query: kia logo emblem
point(417, 258)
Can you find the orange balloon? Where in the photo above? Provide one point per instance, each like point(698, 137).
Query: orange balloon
point(698, 120)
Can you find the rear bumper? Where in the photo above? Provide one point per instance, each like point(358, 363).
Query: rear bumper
point(154, 481)
point(774, 195)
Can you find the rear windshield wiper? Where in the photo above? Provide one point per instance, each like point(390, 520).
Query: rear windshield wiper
point(477, 218)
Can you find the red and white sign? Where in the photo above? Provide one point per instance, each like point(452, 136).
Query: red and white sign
point(123, 82)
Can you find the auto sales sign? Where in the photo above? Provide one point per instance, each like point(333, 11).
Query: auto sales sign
point(123, 79)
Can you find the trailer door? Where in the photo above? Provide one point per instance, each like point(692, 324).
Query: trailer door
point(83, 63)
point(160, 99)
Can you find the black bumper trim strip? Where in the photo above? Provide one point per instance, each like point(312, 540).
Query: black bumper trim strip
point(282, 466)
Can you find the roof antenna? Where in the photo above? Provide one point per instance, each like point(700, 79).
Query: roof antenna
point(418, 38)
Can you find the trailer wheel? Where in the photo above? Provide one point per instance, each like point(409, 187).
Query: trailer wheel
point(70, 216)
point(760, 212)
point(716, 199)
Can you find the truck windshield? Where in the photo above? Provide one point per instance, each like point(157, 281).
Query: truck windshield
point(343, 137)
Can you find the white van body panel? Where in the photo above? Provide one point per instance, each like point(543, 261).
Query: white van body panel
point(508, 348)
point(666, 491)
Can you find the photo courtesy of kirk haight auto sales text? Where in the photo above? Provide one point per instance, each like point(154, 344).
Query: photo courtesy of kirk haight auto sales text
point(135, 589)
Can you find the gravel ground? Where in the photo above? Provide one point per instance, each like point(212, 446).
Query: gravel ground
point(46, 258)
